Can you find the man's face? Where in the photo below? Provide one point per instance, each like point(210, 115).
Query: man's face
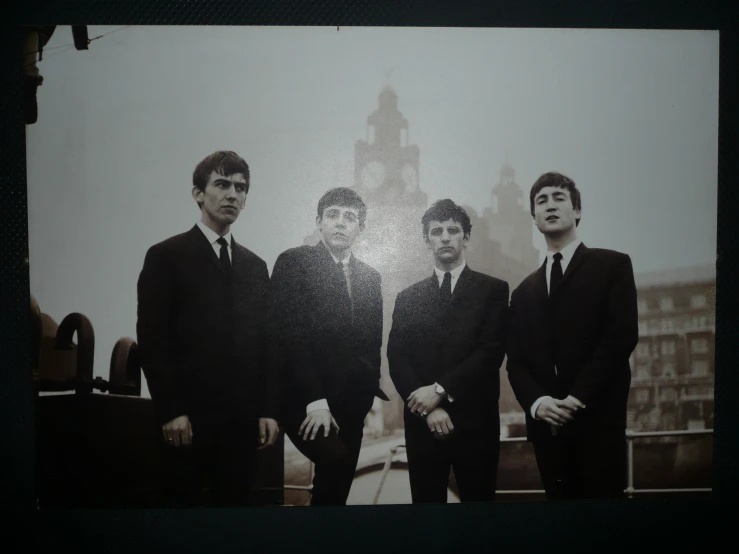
point(446, 240)
point(222, 200)
point(339, 227)
point(553, 211)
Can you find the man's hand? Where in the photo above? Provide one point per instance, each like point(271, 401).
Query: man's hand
point(439, 423)
point(268, 431)
point(314, 421)
point(424, 400)
point(572, 404)
point(178, 432)
point(555, 412)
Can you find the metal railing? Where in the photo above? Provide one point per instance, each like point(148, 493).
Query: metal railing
point(630, 491)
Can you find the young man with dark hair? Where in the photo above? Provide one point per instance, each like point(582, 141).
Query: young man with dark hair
point(328, 336)
point(202, 306)
point(445, 350)
point(573, 328)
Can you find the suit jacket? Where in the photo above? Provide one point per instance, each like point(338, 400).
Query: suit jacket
point(461, 346)
point(587, 328)
point(324, 352)
point(201, 333)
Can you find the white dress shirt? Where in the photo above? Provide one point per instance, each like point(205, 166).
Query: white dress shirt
point(567, 253)
point(456, 272)
point(213, 237)
point(322, 404)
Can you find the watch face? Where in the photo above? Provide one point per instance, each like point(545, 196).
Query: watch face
point(410, 178)
point(372, 175)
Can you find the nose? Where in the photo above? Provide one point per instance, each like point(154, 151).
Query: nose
point(445, 237)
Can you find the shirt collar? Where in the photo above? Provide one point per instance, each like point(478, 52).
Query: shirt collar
point(456, 272)
point(344, 262)
point(211, 235)
point(567, 253)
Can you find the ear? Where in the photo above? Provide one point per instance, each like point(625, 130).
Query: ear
point(465, 241)
point(318, 220)
point(197, 194)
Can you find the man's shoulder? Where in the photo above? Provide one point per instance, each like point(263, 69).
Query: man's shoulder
point(297, 253)
point(248, 255)
point(607, 254)
point(488, 280)
point(368, 270)
point(414, 290)
point(173, 243)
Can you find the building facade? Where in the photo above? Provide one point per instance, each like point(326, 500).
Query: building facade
point(672, 385)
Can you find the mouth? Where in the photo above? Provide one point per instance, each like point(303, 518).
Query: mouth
point(552, 218)
point(339, 235)
point(230, 208)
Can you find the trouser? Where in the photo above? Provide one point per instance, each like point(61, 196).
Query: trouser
point(334, 457)
point(221, 457)
point(473, 455)
point(592, 465)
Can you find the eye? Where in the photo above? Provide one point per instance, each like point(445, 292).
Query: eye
point(435, 232)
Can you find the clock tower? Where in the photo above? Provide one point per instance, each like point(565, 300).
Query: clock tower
point(386, 166)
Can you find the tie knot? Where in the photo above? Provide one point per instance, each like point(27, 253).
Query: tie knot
point(222, 241)
point(557, 256)
point(447, 275)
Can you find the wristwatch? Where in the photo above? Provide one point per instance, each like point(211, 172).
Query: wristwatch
point(440, 390)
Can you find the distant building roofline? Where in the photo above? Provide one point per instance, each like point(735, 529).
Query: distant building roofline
point(676, 276)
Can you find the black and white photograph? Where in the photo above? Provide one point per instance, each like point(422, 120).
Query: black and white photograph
point(340, 266)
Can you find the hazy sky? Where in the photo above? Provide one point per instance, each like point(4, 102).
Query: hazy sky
point(631, 116)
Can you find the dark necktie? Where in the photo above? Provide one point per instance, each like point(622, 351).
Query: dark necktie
point(446, 288)
point(346, 271)
point(225, 260)
point(556, 277)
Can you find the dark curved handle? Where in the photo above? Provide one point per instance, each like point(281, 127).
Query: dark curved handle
point(125, 367)
point(78, 323)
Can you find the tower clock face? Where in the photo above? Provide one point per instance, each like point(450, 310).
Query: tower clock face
point(372, 175)
point(410, 178)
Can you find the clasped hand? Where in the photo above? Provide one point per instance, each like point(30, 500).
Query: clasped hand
point(424, 400)
point(557, 412)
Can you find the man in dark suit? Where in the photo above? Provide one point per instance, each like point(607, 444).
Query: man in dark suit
point(202, 306)
point(445, 350)
point(328, 310)
point(573, 328)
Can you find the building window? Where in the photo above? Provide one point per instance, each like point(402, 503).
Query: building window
point(641, 305)
point(642, 396)
point(666, 304)
point(668, 347)
point(698, 301)
point(699, 346)
point(668, 370)
point(643, 329)
point(668, 395)
point(700, 368)
point(642, 350)
point(667, 325)
point(642, 371)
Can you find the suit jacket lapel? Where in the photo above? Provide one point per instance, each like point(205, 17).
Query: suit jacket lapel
point(463, 285)
point(329, 270)
point(577, 258)
point(204, 248)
